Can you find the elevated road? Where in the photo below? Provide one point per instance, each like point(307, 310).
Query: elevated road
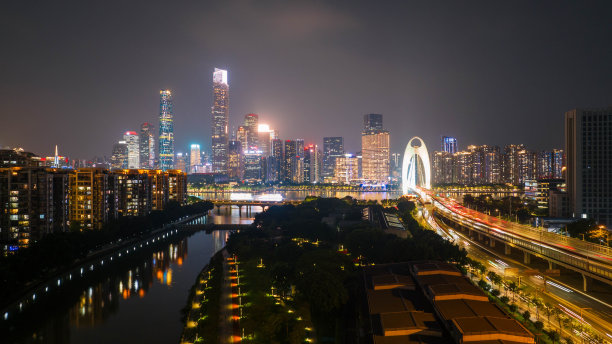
point(591, 260)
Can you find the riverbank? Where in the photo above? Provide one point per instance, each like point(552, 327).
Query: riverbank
point(201, 315)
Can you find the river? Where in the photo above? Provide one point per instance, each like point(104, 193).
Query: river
point(137, 297)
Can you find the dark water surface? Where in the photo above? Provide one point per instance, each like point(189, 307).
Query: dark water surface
point(135, 299)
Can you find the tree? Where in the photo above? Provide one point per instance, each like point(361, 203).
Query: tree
point(495, 278)
point(495, 292)
point(504, 299)
point(554, 336)
point(538, 325)
point(513, 308)
point(582, 226)
point(548, 310)
point(526, 316)
point(513, 287)
point(484, 285)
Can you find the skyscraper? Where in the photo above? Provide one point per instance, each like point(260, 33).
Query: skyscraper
point(251, 123)
point(166, 131)
point(234, 160)
point(588, 148)
point(133, 149)
point(372, 121)
point(181, 162)
point(290, 153)
point(558, 163)
point(220, 117)
point(449, 144)
point(119, 157)
point(194, 158)
point(333, 147)
point(312, 164)
point(510, 164)
point(147, 146)
point(264, 139)
point(374, 151)
point(276, 161)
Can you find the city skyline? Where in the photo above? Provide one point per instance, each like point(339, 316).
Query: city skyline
point(540, 81)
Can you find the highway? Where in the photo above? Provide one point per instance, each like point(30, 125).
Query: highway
point(595, 313)
point(591, 259)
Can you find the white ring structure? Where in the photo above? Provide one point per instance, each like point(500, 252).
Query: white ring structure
point(415, 157)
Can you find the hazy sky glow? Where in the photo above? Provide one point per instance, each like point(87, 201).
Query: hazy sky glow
point(79, 74)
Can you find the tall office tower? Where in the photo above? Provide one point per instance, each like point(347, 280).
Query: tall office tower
point(220, 117)
point(510, 165)
point(133, 149)
point(588, 149)
point(251, 123)
point(241, 135)
point(274, 165)
point(166, 131)
point(558, 158)
point(492, 165)
point(119, 157)
point(333, 147)
point(253, 171)
point(194, 158)
point(290, 153)
point(234, 160)
point(449, 144)
point(181, 162)
point(372, 122)
point(375, 156)
point(264, 139)
point(147, 146)
point(527, 165)
point(462, 167)
point(544, 165)
point(312, 164)
point(442, 168)
point(346, 169)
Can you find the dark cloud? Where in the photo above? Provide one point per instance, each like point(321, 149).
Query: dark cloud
point(78, 74)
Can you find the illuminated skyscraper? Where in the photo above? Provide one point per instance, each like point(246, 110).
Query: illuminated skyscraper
point(588, 145)
point(558, 163)
point(241, 135)
point(181, 162)
point(264, 139)
point(147, 146)
point(333, 147)
point(133, 149)
point(220, 117)
point(251, 123)
point(194, 158)
point(449, 144)
point(375, 152)
point(372, 121)
point(312, 164)
point(166, 131)
point(234, 161)
point(119, 157)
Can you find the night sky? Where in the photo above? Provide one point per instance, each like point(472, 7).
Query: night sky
point(79, 74)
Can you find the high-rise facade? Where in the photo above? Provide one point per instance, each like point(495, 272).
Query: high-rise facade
point(194, 157)
point(293, 149)
point(131, 138)
point(372, 121)
point(251, 123)
point(264, 139)
point(312, 164)
point(558, 163)
point(119, 157)
point(442, 168)
point(220, 117)
point(333, 147)
point(449, 144)
point(166, 131)
point(588, 149)
point(275, 163)
point(346, 169)
point(147, 146)
point(234, 160)
point(375, 156)
point(510, 164)
point(181, 162)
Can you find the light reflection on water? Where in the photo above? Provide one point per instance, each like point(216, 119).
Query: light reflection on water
point(137, 300)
